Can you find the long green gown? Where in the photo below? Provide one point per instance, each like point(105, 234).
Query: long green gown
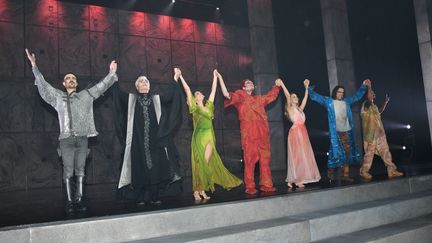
point(206, 174)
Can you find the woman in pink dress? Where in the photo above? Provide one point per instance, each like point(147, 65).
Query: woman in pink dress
point(302, 167)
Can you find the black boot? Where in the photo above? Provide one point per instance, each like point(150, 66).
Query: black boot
point(69, 203)
point(79, 194)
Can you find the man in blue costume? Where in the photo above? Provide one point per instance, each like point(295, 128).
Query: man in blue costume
point(343, 151)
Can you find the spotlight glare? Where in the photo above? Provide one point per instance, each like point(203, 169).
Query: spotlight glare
point(173, 1)
point(408, 126)
point(327, 153)
point(217, 8)
point(403, 148)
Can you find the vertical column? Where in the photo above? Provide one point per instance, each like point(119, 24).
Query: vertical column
point(265, 71)
point(340, 64)
point(423, 14)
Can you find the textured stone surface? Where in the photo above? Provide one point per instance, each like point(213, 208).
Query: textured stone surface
point(15, 107)
point(415, 230)
point(206, 62)
point(182, 29)
point(183, 56)
point(233, 152)
point(183, 140)
point(228, 64)
point(103, 49)
point(346, 208)
point(73, 16)
point(422, 21)
point(226, 35)
point(103, 19)
point(44, 168)
point(157, 26)
point(75, 52)
point(22, 235)
point(423, 15)
point(264, 50)
point(260, 13)
point(159, 59)
point(278, 230)
point(43, 41)
point(133, 61)
point(205, 32)
point(366, 215)
point(12, 11)
point(132, 23)
point(277, 146)
point(41, 12)
point(102, 166)
point(12, 40)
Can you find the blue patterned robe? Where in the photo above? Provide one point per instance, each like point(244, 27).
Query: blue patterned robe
point(337, 156)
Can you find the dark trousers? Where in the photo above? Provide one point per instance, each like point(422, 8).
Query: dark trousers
point(74, 153)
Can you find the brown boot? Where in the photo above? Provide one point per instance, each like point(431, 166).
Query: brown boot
point(365, 174)
point(394, 174)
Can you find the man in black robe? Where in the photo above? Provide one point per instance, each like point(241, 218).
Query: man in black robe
point(146, 123)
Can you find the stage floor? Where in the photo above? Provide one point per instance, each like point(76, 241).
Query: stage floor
point(47, 205)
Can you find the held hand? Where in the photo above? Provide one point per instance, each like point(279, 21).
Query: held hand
point(278, 82)
point(31, 57)
point(113, 66)
point(216, 73)
point(306, 83)
point(367, 82)
point(177, 74)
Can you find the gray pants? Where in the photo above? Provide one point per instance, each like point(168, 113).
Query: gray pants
point(74, 153)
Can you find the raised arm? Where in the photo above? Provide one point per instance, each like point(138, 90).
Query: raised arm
point(285, 90)
point(48, 93)
point(214, 86)
point(387, 99)
point(306, 95)
point(359, 93)
point(317, 97)
point(177, 76)
point(273, 93)
point(97, 90)
point(286, 93)
point(223, 87)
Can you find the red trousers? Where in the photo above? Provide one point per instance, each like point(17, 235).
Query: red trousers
point(254, 151)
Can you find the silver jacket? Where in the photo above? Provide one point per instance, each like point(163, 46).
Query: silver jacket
point(75, 112)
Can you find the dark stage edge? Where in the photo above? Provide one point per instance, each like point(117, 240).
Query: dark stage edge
point(22, 208)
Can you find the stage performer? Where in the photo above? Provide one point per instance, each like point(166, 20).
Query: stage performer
point(207, 166)
point(75, 115)
point(254, 130)
point(146, 123)
point(301, 163)
point(343, 151)
point(374, 138)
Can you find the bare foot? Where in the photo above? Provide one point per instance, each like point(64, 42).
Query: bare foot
point(300, 185)
point(204, 195)
point(289, 185)
point(196, 196)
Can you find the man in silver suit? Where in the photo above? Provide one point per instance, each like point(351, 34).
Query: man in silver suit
point(75, 115)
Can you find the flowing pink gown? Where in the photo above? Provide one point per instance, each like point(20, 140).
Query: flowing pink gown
point(302, 167)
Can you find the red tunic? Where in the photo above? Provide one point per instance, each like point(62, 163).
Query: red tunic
point(255, 134)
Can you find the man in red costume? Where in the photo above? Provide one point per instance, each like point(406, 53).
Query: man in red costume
point(254, 129)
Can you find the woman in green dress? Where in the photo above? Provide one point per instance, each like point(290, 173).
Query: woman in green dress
point(207, 166)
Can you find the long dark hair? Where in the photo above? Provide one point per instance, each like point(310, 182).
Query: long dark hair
point(367, 104)
point(335, 89)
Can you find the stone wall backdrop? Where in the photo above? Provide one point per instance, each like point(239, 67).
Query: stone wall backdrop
point(84, 39)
